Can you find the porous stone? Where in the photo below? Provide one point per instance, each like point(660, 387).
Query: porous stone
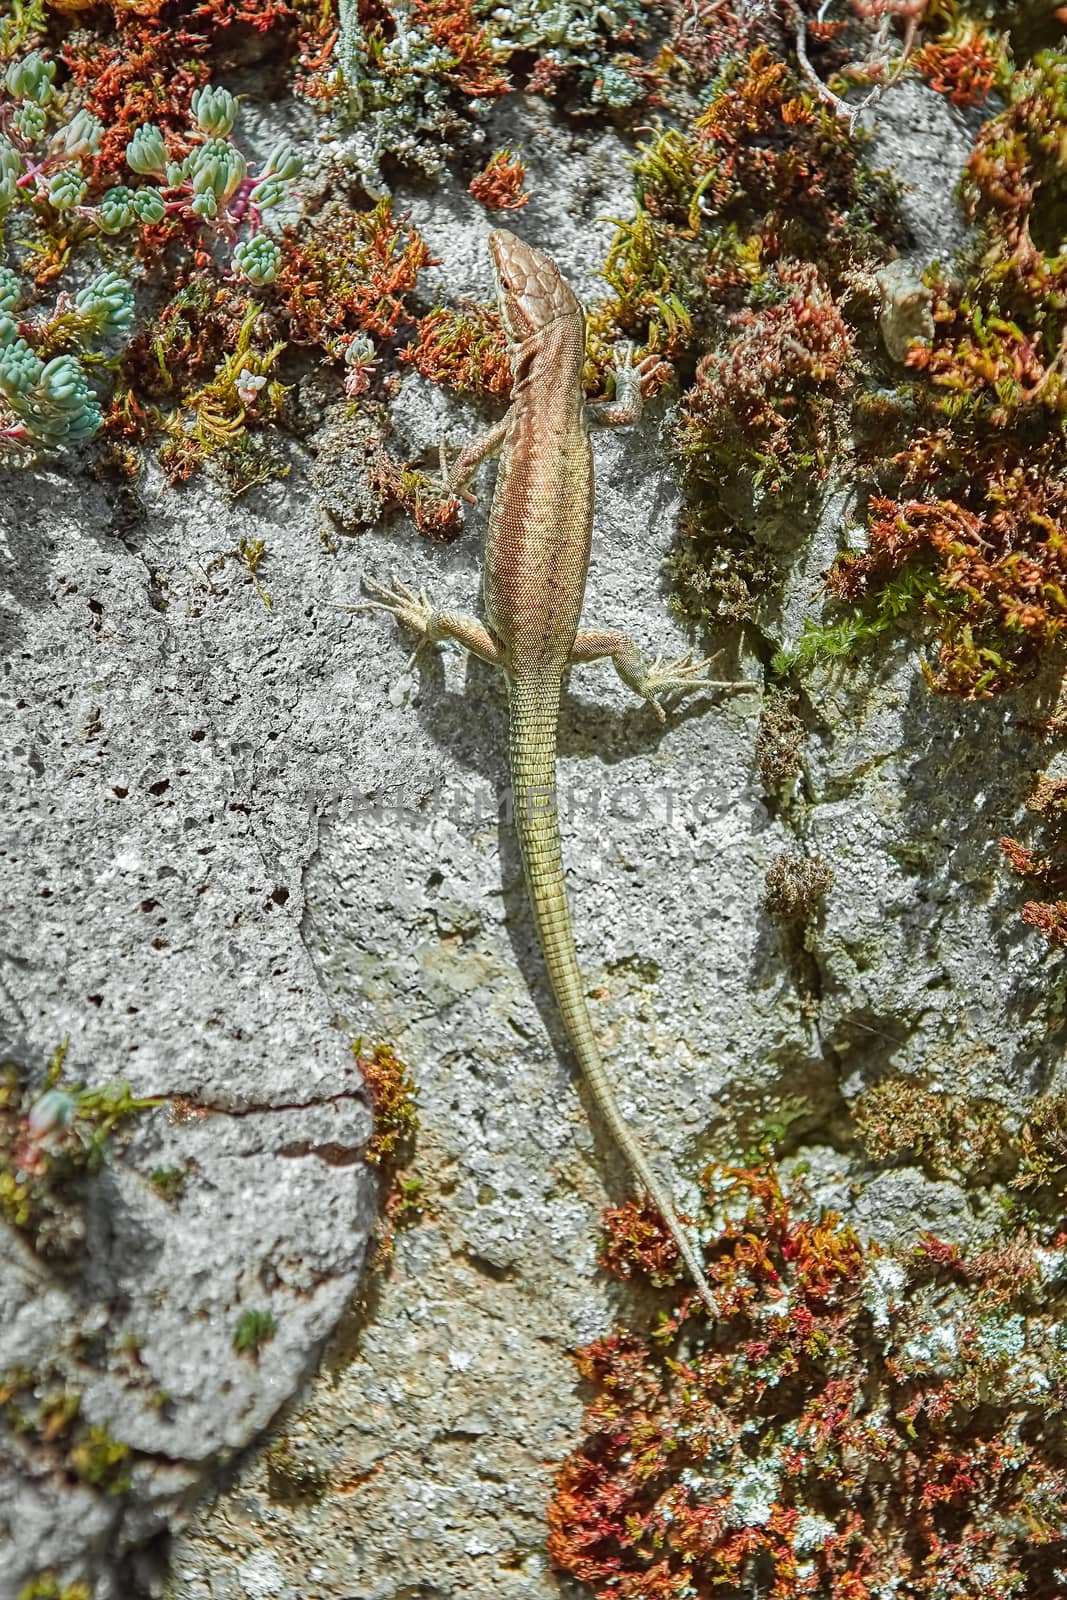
point(161, 736)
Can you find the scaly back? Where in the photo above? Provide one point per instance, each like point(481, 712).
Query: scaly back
point(537, 548)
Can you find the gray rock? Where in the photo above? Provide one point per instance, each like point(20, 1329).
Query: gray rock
point(163, 733)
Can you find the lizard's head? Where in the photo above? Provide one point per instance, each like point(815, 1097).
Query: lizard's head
point(530, 289)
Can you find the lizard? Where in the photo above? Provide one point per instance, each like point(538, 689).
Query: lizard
point(536, 558)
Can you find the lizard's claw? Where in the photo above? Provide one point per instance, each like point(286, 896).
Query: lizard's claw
point(403, 602)
point(408, 606)
point(683, 676)
point(648, 375)
point(653, 373)
point(444, 483)
point(651, 370)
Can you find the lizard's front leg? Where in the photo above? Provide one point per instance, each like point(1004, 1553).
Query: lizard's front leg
point(649, 680)
point(455, 478)
point(415, 611)
point(632, 381)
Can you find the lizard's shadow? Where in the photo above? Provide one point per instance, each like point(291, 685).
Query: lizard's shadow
point(608, 733)
point(612, 734)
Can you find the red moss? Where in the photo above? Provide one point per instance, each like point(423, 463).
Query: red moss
point(875, 10)
point(962, 65)
point(763, 142)
point(548, 74)
point(706, 33)
point(499, 185)
point(392, 1145)
point(1048, 799)
point(847, 1425)
point(345, 270)
point(262, 15)
point(137, 64)
point(1014, 185)
point(943, 1254)
point(979, 512)
point(1049, 919)
point(467, 64)
point(1005, 571)
point(464, 349)
point(181, 349)
point(766, 397)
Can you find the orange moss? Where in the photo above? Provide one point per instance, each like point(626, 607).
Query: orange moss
point(344, 270)
point(137, 64)
point(452, 25)
point(639, 1244)
point(419, 496)
point(962, 64)
point(145, 71)
point(392, 1093)
point(499, 185)
point(464, 349)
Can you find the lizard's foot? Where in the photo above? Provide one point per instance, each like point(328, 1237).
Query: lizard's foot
point(409, 607)
point(649, 681)
point(682, 676)
point(633, 381)
point(412, 609)
point(650, 373)
point(444, 483)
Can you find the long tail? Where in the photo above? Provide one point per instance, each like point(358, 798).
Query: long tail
point(534, 718)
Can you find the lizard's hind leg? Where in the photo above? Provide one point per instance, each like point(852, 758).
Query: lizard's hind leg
point(414, 610)
point(649, 680)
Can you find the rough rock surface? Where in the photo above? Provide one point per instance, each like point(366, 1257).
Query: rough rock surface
point(324, 859)
point(164, 734)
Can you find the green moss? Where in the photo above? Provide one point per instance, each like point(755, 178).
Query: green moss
point(64, 142)
point(409, 1205)
point(22, 24)
point(249, 554)
point(169, 1182)
point(53, 1140)
point(950, 1136)
point(46, 1586)
point(915, 591)
point(292, 1478)
point(973, 535)
point(101, 1460)
point(254, 1330)
point(213, 406)
point(1041, 1151)
point(392, 1144)
point(796, 886)
point(1019, 1155)
point(48, 1422)
point(754, 225)
point(780, 739)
